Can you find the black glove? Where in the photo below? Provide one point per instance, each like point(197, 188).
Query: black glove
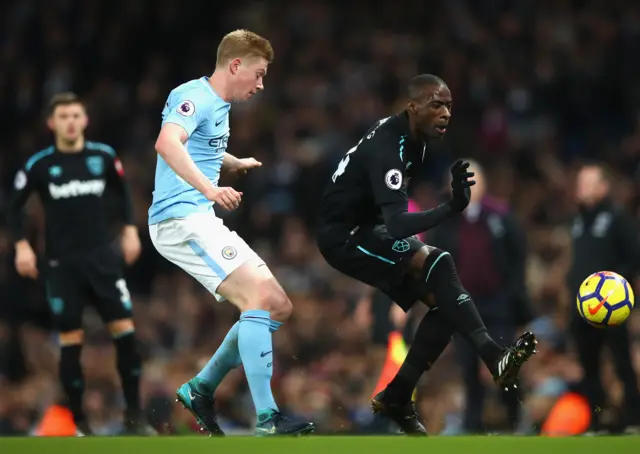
point(461, 184)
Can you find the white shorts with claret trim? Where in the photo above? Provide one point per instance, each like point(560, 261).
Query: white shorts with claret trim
point(203, 246)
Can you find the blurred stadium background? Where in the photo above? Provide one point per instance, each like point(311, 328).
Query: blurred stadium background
point(538, 86)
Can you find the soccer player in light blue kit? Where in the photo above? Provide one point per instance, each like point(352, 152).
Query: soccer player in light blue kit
point(191, 150)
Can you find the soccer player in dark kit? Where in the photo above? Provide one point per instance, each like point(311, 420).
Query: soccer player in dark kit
point(366, 232)
point(81, 267)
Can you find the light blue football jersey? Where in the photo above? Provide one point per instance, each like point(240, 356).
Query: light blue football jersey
point(205, 116)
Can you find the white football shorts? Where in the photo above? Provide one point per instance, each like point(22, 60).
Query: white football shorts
point(203, 246)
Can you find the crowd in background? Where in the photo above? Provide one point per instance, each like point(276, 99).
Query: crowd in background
point(538, 86)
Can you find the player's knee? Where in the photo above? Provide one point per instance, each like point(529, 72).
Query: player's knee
point(74, 337)
point(441, 283)
point(122, 327)
point(273, 299)
point(438, 267)
point(252, 286)
point(421, 256)
point(282, 309)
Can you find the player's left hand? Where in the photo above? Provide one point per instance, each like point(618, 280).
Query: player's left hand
point(130, 244)
point(461, 183)
point(246, 164)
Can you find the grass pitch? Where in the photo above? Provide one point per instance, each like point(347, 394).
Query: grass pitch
point(322, 445)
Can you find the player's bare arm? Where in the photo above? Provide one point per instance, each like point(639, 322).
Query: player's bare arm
point(240, 166)
point(170, 146)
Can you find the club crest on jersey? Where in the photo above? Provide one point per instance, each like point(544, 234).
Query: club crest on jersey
point(401, 246)
point(186, 109)
point(55, 171)
point(229, 252)
point(393, 179)
point(20, 181)
point(95, 164)
point(56, 305)
point(118, 166)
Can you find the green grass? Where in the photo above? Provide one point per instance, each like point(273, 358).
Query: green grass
point(321, 445)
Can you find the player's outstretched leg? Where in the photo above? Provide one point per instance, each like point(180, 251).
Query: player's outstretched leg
point(72, 378)
point(431, 338)
point(197, 394)
point(129, 365)
point(456, 306)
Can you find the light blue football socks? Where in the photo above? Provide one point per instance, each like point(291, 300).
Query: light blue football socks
point(256, 352)
point(227, 357)
point(248, 342)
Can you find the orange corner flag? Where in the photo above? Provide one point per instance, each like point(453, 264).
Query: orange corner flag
point(396, 353)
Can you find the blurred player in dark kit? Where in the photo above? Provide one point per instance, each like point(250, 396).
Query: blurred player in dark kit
point(81, 266)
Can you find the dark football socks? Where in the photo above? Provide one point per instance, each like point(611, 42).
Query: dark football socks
point(456, 306)
point(430, 340)
point(72, 380)
point(129, 365)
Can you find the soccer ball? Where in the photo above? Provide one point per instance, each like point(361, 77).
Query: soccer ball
point(605, 299)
